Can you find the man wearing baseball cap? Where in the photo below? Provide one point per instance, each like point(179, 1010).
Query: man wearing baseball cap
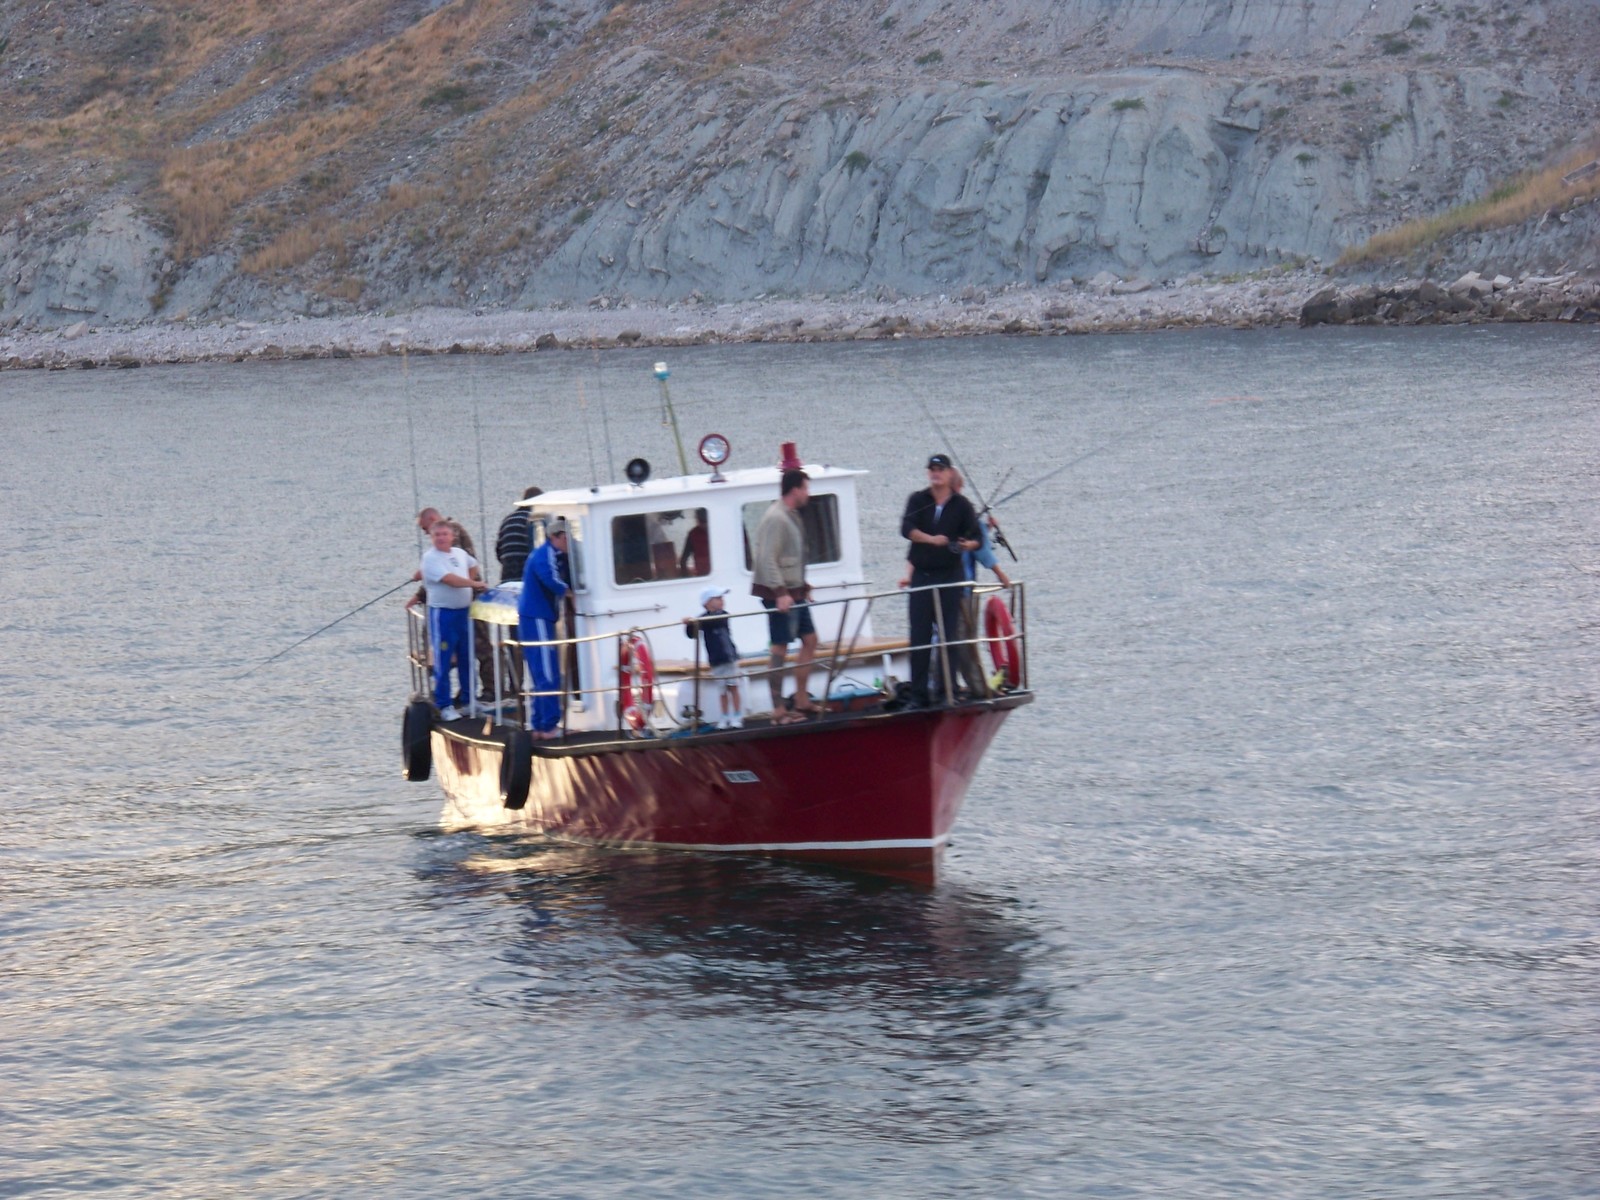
point(940, 523)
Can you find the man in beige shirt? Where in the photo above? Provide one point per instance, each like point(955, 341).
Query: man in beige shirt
point(778, 567)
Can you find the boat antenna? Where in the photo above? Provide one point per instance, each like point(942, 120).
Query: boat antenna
point(477, 437)
point(324, 629)
point(672, 416)
point(411, 434)
point(605, 423)
point(588, 435)
point(1072, 462)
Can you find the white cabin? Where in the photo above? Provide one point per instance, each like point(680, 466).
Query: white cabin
point(641, 554)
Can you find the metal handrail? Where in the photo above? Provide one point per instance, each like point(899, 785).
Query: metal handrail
point(839, 656)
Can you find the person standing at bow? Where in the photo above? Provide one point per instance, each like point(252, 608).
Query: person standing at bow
point(940, 523)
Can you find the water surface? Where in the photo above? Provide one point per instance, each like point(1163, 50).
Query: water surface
point(1284, 887)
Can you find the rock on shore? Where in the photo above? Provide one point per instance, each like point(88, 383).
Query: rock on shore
point(1472, 297)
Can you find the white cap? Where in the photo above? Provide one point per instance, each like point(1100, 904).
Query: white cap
point(707, 595)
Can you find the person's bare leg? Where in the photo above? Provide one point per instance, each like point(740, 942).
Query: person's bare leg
point(802, 672)
point(775, 677)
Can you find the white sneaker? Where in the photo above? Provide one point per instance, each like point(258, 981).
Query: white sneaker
point(450, 713)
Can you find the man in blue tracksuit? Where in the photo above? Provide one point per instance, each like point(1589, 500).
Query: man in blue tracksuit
point(544, 583)
point(450, 577)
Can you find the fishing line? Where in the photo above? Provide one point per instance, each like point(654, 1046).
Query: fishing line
point(411, 435)
point(324, 629)
point(1072, 462)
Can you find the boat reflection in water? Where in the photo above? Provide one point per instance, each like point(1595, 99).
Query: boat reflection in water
point(946, 968)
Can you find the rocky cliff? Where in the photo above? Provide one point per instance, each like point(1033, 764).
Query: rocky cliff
point(211, 158)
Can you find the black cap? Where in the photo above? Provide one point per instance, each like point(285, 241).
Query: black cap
point(938, 460)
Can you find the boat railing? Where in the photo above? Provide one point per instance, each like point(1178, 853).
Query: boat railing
point(633, 682)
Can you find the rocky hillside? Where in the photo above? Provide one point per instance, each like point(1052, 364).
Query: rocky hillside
point(260, 157)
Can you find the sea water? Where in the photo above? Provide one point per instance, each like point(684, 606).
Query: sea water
point(1285, 886)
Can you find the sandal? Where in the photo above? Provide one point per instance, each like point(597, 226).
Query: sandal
point(787, 718)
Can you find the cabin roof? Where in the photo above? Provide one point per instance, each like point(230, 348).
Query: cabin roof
point(677, 487)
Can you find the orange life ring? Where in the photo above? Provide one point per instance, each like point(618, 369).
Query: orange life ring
point(636, 680)
point(1001, 635)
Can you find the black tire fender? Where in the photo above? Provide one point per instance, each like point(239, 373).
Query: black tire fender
point(416, 741)
point(516, 768)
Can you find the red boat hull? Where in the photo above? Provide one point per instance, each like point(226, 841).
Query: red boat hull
point(878, 791)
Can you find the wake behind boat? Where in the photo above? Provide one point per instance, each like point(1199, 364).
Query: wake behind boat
point(641, 757)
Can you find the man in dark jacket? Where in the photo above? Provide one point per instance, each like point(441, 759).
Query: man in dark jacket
point(514, 541)
point(940, 523)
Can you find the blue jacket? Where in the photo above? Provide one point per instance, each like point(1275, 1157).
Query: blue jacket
point(983, 556)
point(713, 627)
point(542, 586)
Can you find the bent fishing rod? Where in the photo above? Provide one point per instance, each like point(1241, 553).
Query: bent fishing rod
point(987, 509)
point(325, 628)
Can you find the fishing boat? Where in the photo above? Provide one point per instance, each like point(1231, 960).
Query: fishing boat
point(866, 780)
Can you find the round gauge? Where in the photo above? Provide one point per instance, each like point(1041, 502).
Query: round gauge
point(714, 449)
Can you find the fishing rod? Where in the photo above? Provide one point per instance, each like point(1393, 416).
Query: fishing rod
point(987, 509)
point(1072, 462)
point(325, 628)
point(477, 437)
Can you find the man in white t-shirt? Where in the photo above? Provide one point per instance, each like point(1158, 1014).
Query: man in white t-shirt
point(451, 578)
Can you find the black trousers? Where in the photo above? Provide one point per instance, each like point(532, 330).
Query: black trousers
point(924, 624)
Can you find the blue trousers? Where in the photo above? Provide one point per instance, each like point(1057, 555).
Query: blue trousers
point(448, 631)
point(544, 668)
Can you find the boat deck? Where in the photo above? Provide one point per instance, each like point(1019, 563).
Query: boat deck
point(481, 731)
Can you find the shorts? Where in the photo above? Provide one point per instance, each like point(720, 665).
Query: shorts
point(783, 628)
point(728, 672)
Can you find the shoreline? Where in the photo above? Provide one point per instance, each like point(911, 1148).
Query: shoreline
point(1104, 305)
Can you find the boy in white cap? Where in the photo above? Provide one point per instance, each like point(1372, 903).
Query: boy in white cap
point(712, 627)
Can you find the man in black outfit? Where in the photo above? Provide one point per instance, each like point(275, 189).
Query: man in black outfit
point(514, 541)
point(940, 523)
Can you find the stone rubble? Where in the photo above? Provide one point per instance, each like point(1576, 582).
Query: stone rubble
point(1100, 306)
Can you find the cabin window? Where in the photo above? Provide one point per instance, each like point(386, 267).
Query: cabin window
point(647, 547)
point(820, 517)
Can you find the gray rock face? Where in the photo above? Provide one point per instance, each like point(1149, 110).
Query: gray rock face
point(1126, 142)
point(1141, 175)
point(105, 268)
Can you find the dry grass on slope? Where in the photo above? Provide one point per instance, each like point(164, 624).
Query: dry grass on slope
point(1517, 200)
point(298, 166)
